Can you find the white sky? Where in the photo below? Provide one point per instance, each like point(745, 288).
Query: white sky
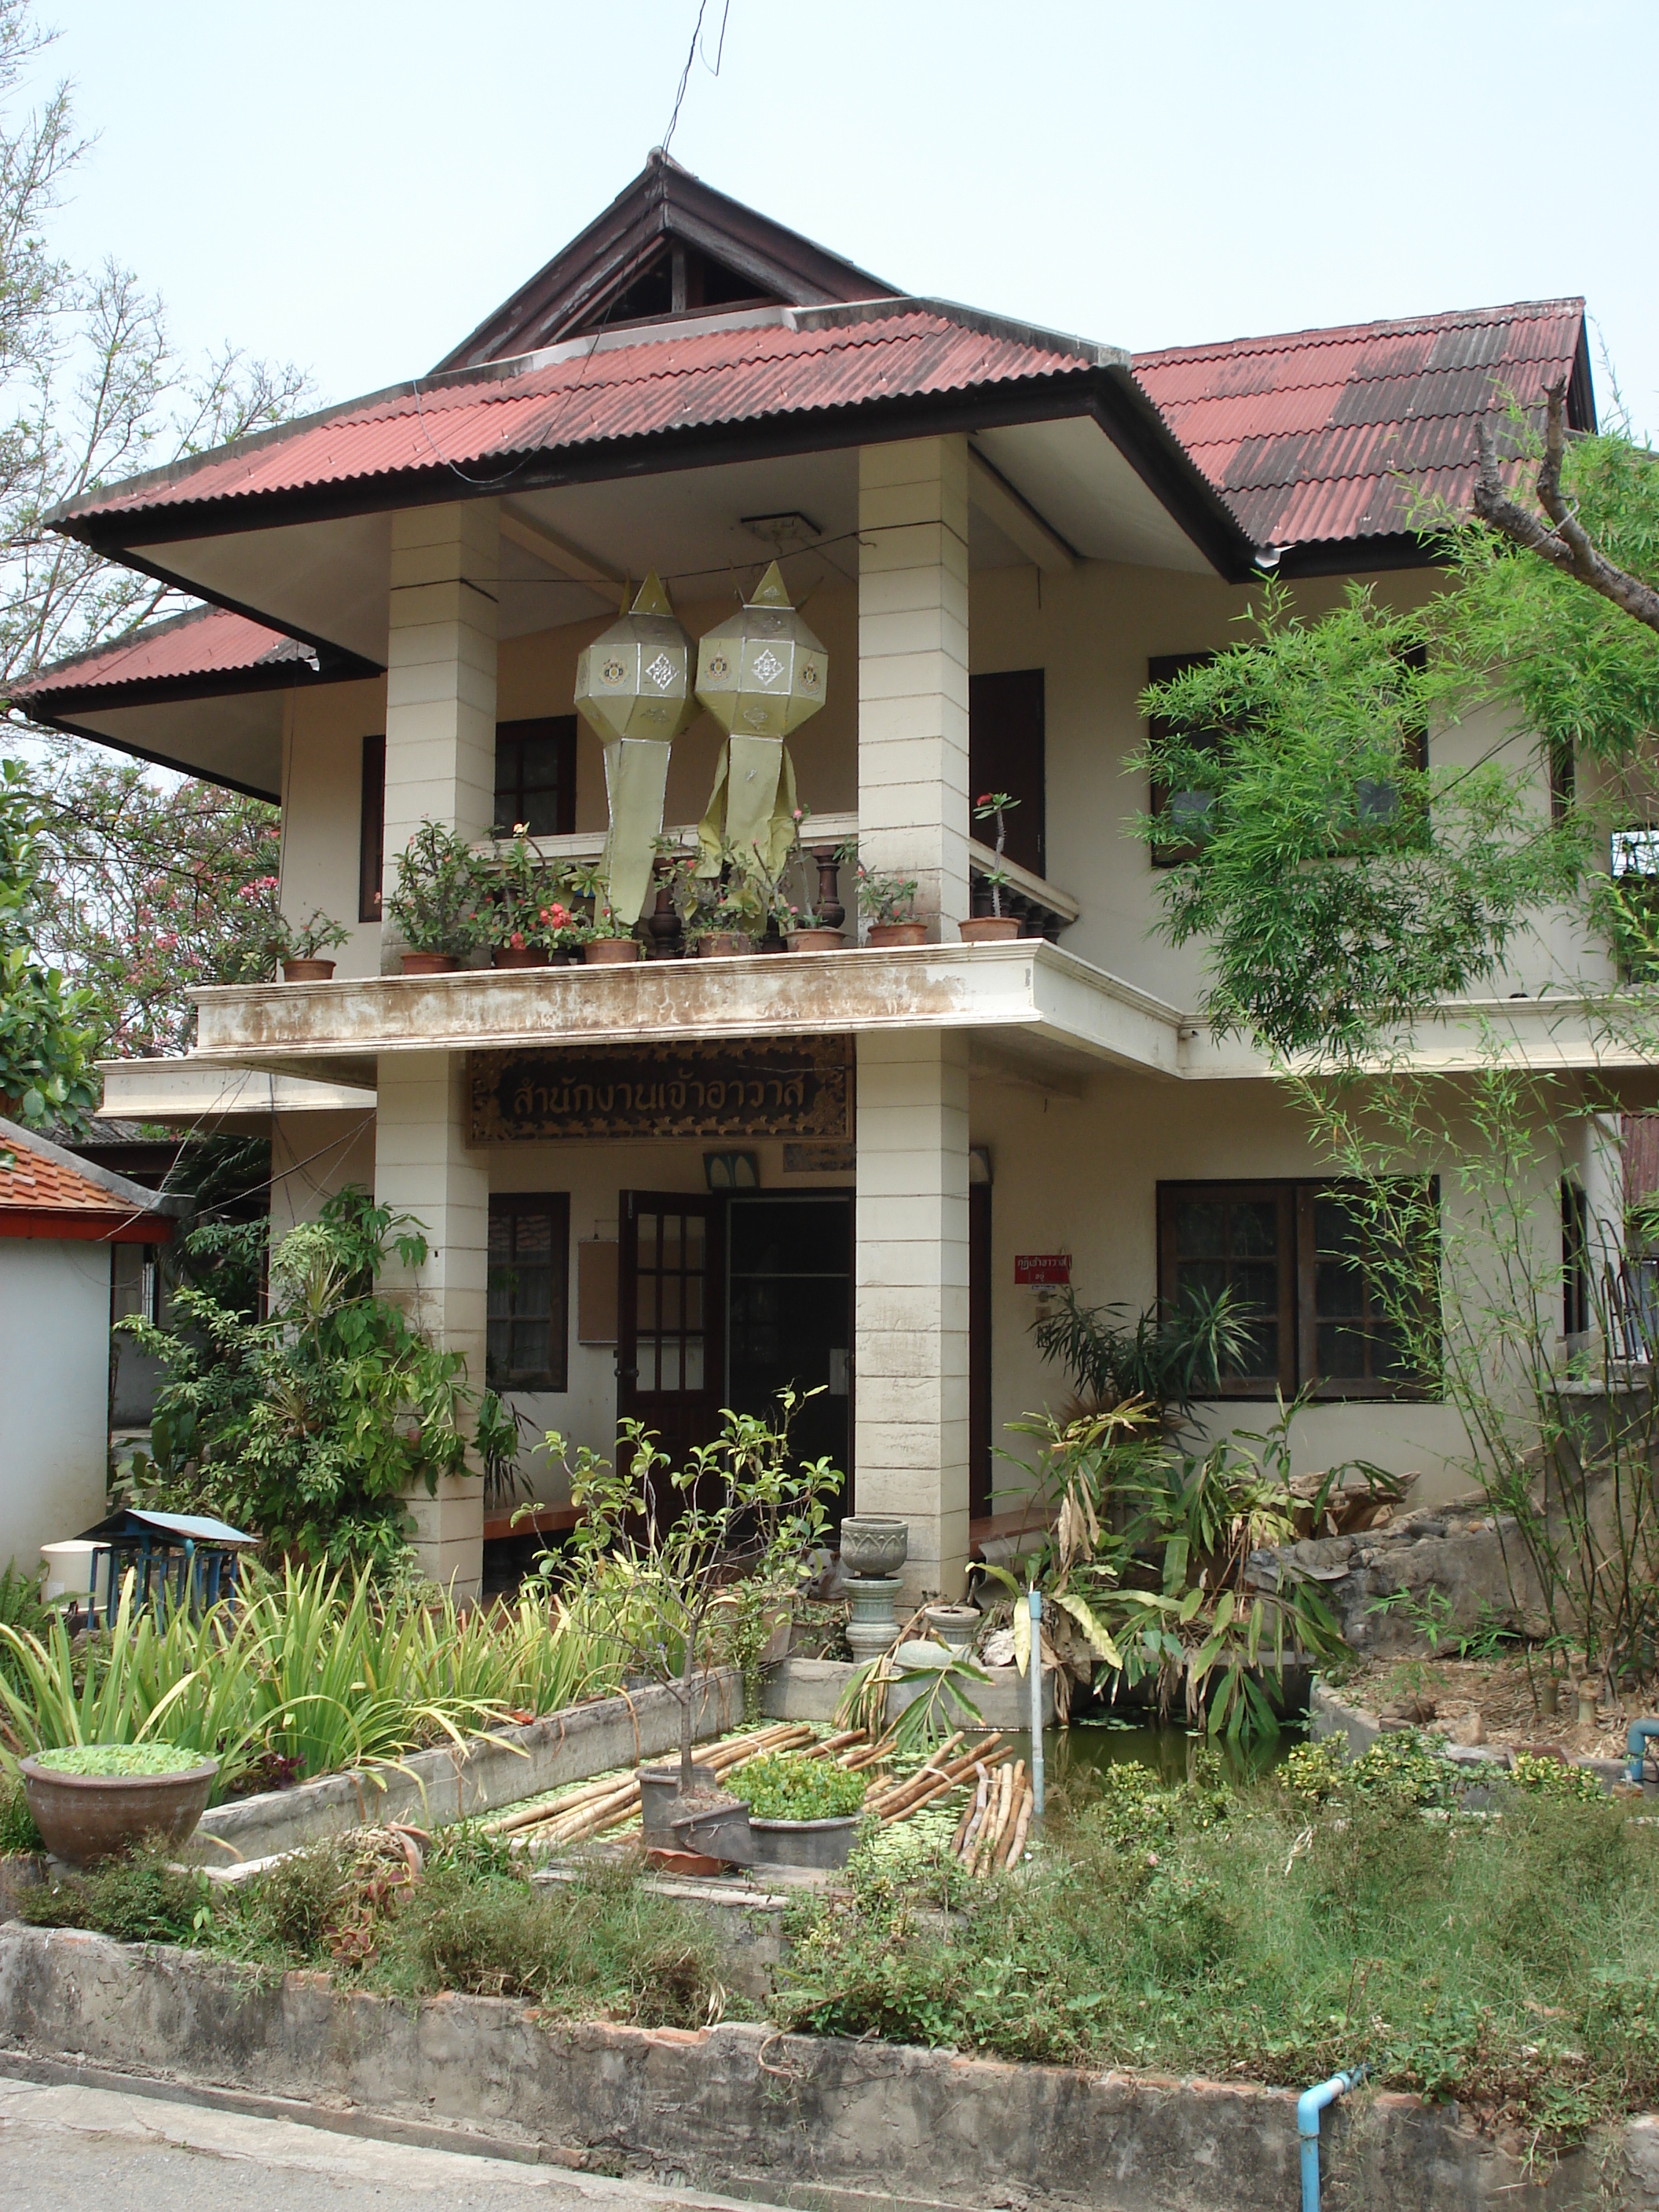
point(353, 186)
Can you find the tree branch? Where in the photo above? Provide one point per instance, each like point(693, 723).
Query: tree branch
point(1569, 545)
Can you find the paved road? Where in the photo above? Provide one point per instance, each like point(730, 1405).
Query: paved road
point(68, 2146)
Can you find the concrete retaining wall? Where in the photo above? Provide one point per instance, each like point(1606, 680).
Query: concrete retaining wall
point(811, 1690)
point(432, 1787)
point(795, 2119)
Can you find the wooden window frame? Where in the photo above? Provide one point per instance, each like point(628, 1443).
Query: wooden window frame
point(1297, 1313)
point(371, 829)
point(555, 1378)
point(556, 731)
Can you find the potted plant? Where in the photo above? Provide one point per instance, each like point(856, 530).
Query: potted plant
point(721, 916)
point(886, 903)
point(93, 1800)
point(605, 943)
point(988, 928)
point(664, 1556)
point(440, 904)
point(802, 1811)
point(530, 925)
point(297, 947)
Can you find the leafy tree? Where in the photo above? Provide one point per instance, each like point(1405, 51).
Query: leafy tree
point(154, 885)
point(309, 1424)
point(1342, 888)
point(46, 1068)
point(134, 895)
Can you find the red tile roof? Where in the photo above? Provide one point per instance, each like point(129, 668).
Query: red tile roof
point(207, 642)
point(692, 380)
point(46, 1191)
point(1321, 435)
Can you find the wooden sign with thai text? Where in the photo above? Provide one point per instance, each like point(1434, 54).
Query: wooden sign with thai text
point(771, 1087)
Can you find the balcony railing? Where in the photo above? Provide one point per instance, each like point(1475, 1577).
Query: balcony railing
point(1043, 909)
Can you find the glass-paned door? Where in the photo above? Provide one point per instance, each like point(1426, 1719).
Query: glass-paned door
point(670, 1288)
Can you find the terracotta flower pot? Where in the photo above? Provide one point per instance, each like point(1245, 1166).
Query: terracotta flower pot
point(816, 940)
point(84, 1818)
point(307, 971)
point(521, 955)
point(898, 932)
point(611, 951)
point(988, 928)
point(430, 964)
point(724, 944)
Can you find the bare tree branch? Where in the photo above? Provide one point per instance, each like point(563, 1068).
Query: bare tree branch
point(1569, 545)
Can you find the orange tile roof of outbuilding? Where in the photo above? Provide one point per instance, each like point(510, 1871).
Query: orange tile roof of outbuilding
point(1316, 436)
point(41, 1185)
point(205, 642)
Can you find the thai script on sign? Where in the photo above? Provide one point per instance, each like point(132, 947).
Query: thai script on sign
point(782, 1088)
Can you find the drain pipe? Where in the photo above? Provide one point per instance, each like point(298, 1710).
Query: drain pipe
point(1636, 1748)
point(1309, 2105)
point(1036, 1704)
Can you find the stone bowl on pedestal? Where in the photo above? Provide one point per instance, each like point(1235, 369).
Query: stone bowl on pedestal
point(874, 1543)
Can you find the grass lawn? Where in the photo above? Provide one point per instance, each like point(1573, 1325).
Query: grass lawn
point(1267, 1932)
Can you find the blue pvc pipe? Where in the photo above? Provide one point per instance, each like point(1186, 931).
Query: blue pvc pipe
point(1636, 1746)
point(1309, 2105)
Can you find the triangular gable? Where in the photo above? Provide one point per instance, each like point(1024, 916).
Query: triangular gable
point(668, 246)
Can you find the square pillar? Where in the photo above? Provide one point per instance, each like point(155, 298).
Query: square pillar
point(422, 1167)
point(910, 1312)
point(913, 671)
point(441, 681)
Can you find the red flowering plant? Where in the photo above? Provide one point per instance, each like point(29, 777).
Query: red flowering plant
point(530, 901)
point(991, 806)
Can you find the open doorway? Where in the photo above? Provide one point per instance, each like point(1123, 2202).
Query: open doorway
point(789, 1316)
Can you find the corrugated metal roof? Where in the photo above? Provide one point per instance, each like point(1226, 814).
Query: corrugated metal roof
point(690, 379)
point(208, 641)
point(1319, 435)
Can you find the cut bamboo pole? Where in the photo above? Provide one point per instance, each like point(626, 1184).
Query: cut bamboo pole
point(961, 1835)
point(1011, 1857)
point(978, 1815)
point(996, 1832)
point(833, 1746)
point(900, 1798)
point(602, 1803)
point(934, 1764)
point(995, 1806)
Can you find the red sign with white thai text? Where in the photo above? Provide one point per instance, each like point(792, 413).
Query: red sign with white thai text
point(1042, 1266)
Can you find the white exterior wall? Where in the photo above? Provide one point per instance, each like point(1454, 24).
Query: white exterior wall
point(54, 1390)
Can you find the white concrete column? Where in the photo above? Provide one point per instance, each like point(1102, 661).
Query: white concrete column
point(913, 671)
point(422, 1167)
point(441, 680)
point(910, 1315)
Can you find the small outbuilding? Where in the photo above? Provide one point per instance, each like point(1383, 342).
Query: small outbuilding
point(62, 1221)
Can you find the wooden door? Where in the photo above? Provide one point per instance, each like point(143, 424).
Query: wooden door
point(1006, 749)
point(670, 1284)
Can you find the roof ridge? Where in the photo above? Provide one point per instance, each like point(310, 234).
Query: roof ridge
point(1315, 334)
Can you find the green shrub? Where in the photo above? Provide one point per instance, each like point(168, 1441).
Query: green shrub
point(1400, 1769)
point(1549, 1778)
point(18, 1834)
point(1313, 1773)
point(784, 1785)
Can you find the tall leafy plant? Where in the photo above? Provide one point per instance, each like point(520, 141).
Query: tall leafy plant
point(308, 1425)
point(665, 1555)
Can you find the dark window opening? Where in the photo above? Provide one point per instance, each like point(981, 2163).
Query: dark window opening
point(536, 776)
point(680, 280)
point(1006, 751)
point(528, 1292)
point(371, 836)
point(1575, 1259)
point(1301, 1260)
point(1563, 780)
point(1186, 813)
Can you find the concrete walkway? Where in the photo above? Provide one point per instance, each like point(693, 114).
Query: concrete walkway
point(65, 2144)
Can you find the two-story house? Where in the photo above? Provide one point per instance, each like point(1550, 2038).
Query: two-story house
point(661, 1187)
